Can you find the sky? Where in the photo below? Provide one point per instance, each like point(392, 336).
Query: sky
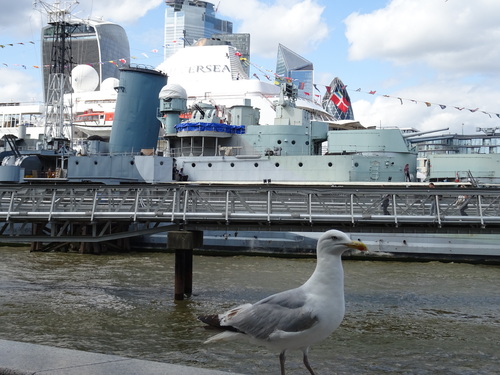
point(424, 64)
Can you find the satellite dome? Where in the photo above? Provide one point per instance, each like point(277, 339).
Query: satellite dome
point(84, 78)
point(173, 90)
point(109, 84)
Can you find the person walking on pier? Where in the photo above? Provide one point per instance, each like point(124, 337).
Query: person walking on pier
point(434, 199)
point(385, 204)
point(462, 203)
point(407, 173)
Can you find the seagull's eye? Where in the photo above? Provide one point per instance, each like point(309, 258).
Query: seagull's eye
point(335, 238)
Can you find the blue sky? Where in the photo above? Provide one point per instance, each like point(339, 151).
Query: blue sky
point(443, 52)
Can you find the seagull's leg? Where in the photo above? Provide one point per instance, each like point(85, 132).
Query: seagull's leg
point(306, 361)
point(282, 362)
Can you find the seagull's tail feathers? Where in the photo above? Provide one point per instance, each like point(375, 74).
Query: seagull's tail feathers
point(223, 336)
point(211, 320)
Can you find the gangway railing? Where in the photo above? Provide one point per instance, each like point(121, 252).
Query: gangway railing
point(233, 205)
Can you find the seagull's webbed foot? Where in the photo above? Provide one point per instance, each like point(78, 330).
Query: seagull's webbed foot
point(282, 362)
point(306, 362)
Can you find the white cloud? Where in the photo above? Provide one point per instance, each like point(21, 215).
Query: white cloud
point(19, 18)
point(457, 35)
point(297, 24)
point(24, 18)
point(446, 51)
point(389, 112)
point(120, 11)
point(18, 86)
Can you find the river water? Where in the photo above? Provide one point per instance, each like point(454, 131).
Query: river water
point(402, 318)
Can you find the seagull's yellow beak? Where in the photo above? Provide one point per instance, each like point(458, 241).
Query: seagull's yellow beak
point(357, 245)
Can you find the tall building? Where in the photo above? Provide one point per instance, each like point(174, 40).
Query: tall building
point(290, 64)
point(189, 20)
point(91, 42)
point(337, 101)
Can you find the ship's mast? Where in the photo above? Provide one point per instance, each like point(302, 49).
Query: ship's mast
point(57, 115)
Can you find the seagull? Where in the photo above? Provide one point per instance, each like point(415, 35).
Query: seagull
point(297, 318)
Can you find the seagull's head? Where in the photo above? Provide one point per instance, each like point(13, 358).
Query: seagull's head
point(336, 242)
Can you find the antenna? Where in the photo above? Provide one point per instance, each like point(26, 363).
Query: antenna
point(57, 115)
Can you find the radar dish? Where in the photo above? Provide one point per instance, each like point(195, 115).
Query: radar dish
point(109, 84)
point(84, 78)
point(173, 90)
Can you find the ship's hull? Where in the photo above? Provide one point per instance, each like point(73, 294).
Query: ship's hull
point(465, 247)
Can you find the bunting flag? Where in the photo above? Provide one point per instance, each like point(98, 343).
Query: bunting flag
point(328, 90)
point(338, 99)
point(429, 104)
point(13, 44)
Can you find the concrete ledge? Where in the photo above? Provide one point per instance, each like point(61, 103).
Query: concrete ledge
point(17, 358)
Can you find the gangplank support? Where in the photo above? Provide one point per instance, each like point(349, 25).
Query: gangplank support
point(183, 243)
point(81, 230)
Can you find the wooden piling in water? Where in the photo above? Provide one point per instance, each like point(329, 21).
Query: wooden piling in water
point(183, 243)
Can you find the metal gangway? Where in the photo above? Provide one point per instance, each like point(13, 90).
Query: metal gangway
point(56, 210)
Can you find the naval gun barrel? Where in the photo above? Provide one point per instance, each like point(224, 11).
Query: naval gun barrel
point(416, 134)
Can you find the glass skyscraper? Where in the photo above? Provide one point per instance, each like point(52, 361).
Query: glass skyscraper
point(92, 42)
point(337, 101)
point(291, 65)
point(186, 21)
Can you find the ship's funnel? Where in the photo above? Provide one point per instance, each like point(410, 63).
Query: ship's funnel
point(135, 126)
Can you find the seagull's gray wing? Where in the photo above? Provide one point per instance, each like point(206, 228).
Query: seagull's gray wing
point(286, 311)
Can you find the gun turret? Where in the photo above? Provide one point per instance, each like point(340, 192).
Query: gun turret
point(416, 134)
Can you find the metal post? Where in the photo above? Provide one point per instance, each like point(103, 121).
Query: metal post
point(183, 243)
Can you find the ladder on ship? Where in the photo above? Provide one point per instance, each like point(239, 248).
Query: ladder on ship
point(10, 139)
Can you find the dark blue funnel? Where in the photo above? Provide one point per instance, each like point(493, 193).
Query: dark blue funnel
point(135, 125)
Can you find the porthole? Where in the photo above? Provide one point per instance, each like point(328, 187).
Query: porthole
point(293, 142)
point(330, 164)
point(209, 165)
point(301, 165)
point(279, 141)
point(256, 165)
point(356, 164)
point(95, 162)
point(193, 165)
point(161, 163)
point(77, 162)
point(307, 143)
point(132, 162)
point(232, 165)
point(277, 165)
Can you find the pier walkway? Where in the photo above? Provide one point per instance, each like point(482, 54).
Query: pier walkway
point(93, 213)
point(17, 358)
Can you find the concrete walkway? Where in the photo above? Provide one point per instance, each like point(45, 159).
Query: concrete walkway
point(17, 358)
